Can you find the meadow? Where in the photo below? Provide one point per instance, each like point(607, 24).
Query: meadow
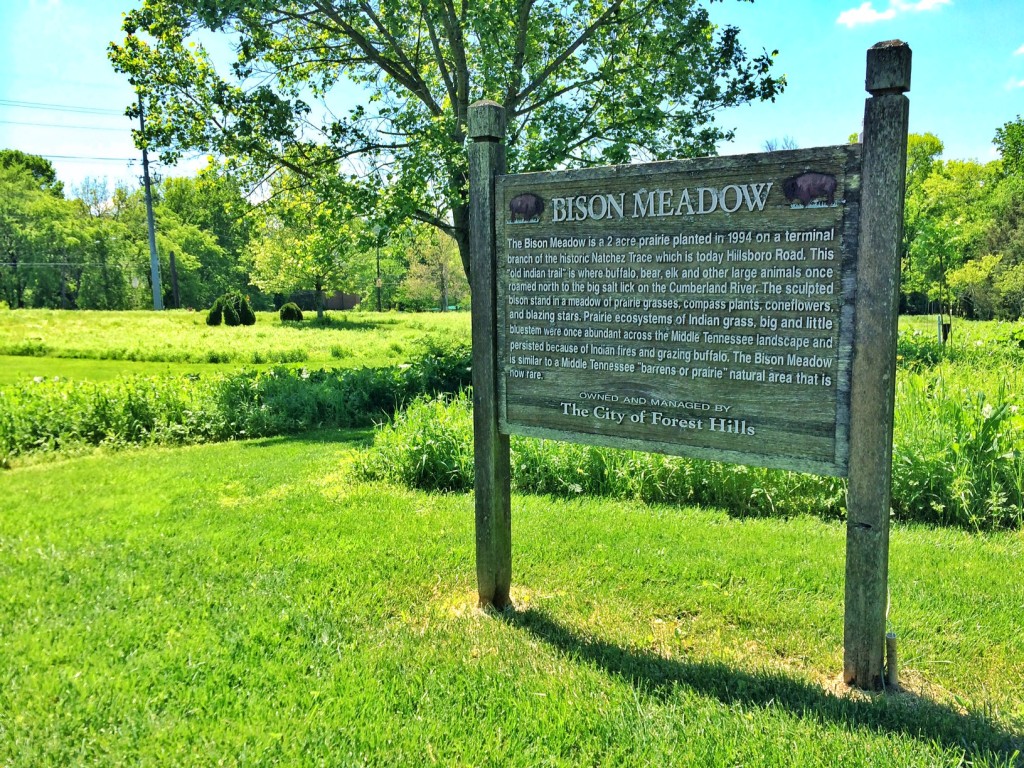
point(101, 345)
point(283, 600)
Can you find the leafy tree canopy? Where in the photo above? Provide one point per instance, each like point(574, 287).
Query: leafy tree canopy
point(1010, 141)
point(582, 81)
point(302, 244)
point(41, 169)
point(923, 153)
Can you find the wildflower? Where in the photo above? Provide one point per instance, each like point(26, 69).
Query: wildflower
point(986, 412)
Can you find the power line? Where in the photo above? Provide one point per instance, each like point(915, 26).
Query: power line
point(64, 125)
point(59, 107)
point(94, 159)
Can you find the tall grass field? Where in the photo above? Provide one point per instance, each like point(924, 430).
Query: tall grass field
point(227, 564)
point(54, 343)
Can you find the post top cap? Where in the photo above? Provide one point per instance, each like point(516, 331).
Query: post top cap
point(888, 68)
point(486, 120)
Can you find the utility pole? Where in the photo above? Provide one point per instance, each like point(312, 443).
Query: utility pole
point(377, 230)
point(154, 261)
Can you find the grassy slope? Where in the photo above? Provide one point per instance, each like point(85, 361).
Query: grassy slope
point(98, 345)
point(18, 368)
point(251, 604)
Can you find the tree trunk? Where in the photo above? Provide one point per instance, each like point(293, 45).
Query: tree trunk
point(460, 231)
point(19, 288)
point(444, 285)
point(318, 300)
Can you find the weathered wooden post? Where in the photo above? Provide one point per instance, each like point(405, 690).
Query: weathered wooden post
point(872, 389)
point(490, 448)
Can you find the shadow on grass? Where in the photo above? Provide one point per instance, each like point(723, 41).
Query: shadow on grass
point(332, 322)
point(903, 714)
point(357, 437)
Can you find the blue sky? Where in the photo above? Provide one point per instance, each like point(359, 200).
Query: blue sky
point(968, 67)
point(60, 98)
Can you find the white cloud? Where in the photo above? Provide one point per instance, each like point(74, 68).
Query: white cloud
point(1014, 83)
point(921, 5)
point(866, 13)
point(1019, 51)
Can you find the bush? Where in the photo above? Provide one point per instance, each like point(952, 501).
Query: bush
point(216, 314)
point(56, 415)
point(230, 310)
point(1014, 337)
point(430, 446)
point(958, 455)
point(245, 314)
point(290, 313)
point(233, 308)
point(958, 459)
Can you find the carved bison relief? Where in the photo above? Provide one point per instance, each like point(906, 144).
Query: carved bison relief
point(810, 186)
point(526, 207)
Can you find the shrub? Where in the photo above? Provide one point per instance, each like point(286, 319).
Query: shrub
point(55, 415)
point(915, 349)
point(233, 308)
point(1013, 336)
point(290, 313)
point(246, 316)
point(958, 455)
point(430, 446)
point(27, 348)
point(230, 312)
point(216, 314)
point(958, 459)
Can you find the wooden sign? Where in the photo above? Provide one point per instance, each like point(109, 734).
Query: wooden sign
point(741, 309)
point(699, 307)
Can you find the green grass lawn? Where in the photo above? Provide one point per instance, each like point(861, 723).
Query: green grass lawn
point(19, 368)
point(253, 604)
point(100, 345)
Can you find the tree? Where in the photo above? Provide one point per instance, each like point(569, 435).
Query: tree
point(302, 243)
point(777, 145)
point(964, 228)
point(213, 202)
point(40, 168)
point(434, 279)
point(1006, 233)
point(1010, 141)
point(582, 81)
point(974, 286)
point(382, 253)
point(953, 216)
point(41, 240)
point(923, 153)
point(94, 193)
point(107, 267)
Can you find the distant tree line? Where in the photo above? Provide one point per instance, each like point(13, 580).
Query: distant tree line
point(90, 250)
point(963, 240)
point(963, 234)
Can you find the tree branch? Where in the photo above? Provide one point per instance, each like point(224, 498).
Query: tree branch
point(435, 42)
point(559, 60)
point(519, 57)
point(408, 78)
